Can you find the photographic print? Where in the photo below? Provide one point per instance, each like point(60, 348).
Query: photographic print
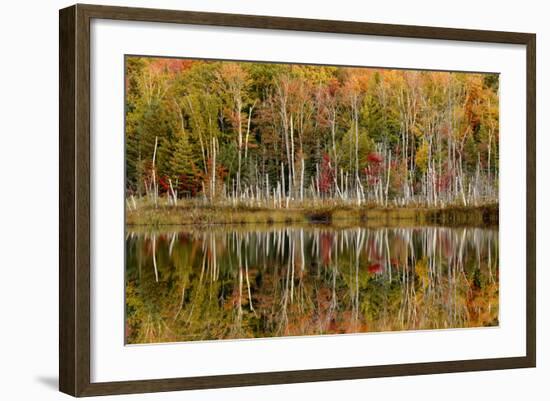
point(272, 200)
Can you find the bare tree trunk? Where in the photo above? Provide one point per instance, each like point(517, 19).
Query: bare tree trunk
point(155, 187)
point(489, 175)
point(283, 180)
point(292, 173)
point(388, 177)
point(238, 107)
point(267, 187)
point(356, 126)
point(203, 151)
point(213, 181)
point(302, 180)
point(461, 179)
point(248, 131)
point(174, 194)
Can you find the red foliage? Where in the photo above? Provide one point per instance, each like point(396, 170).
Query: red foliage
point(326, 247)
point(374, 168)
point(333, 86)
point(374, 158)
point(375, 268)
point(189, 183)
point(447, 246)
point(445, 180)
point(164, 184)
point(171, 65)
point(221, 171)
point(326, 175)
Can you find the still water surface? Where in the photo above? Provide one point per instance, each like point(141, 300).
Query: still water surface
point(221, 282)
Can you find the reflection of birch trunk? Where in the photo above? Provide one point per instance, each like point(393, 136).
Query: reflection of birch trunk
point(283, 319)
point(172, 240)
point(203, 266)
point(292, 264)
point(240, 302)
point(431, 285)
point(358, 247)
point(302, 253)
point(388, 256)
point(182, 301)
point(248, 286)
point(215, 259)
point(489, 264)
point(155, 257)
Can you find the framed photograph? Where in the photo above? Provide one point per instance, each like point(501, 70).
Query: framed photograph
point(249, 200)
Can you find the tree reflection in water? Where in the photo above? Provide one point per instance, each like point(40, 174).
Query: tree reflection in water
point(226, 282)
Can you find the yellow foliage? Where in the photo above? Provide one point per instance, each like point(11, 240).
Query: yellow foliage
point(421, 269)
point(421, 158)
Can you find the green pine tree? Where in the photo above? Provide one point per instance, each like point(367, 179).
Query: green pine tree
point(182, 164)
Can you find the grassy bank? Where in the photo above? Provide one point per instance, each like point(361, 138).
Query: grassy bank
point(486, 215)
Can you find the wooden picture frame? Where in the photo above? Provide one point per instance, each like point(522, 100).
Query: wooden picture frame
point(74, 199)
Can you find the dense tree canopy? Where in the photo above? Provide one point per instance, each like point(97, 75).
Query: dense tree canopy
point(279, 133)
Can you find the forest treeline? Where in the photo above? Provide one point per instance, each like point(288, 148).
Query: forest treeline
point(276, 135)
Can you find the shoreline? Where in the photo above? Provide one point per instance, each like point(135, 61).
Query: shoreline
point(485, 215)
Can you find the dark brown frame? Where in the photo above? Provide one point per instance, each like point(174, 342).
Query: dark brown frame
point(74, 199)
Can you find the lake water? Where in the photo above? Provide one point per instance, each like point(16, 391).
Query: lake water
point(227, 282)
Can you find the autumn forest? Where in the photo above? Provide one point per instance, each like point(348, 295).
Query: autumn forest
point(277, 135)
point(267, 199)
